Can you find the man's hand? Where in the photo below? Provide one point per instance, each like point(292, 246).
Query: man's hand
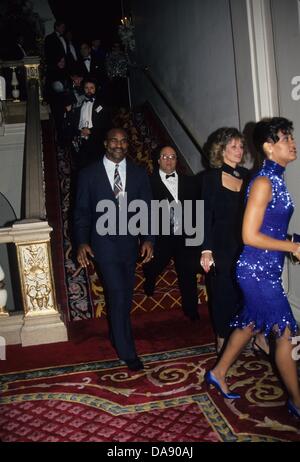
point(147, 251)
point(84, 250)
point(85, 132)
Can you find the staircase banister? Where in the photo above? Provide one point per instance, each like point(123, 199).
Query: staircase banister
point(147, 72)
point(27, 60)
point(33, 196)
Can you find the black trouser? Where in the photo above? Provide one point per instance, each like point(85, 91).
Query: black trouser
point(186, 265)
point(225, 300)
point(118, 278)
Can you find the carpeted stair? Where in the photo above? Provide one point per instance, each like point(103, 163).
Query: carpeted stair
point(81, 295)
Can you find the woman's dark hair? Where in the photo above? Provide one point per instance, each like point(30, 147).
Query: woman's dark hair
point(266, 131)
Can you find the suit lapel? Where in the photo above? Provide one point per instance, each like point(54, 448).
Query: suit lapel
point(129, 177)
point(164, 193)
point(180, 187)
point(96, 115)
point(104, 183)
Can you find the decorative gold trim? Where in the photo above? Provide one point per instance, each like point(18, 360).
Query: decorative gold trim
point(3, 311)
point(36, 275)
point(33, 72)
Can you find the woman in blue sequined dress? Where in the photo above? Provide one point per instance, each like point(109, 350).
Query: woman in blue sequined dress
point(266, 308)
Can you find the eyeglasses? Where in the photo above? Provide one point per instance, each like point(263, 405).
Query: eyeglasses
point(165, 157)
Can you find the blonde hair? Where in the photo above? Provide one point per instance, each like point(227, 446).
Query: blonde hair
point(219, 140)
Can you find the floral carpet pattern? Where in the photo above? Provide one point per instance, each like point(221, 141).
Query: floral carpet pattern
point(167, 401)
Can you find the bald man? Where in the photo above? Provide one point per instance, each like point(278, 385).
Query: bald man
point(115, 253)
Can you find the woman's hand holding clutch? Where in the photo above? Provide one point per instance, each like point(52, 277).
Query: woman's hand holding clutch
point(206, 260)
point(295, 256)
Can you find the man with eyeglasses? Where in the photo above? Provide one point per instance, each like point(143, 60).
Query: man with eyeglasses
point(115, 253)
point(167, 184)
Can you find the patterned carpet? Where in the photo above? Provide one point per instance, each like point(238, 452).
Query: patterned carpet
point(168, 401)
point(84, 298)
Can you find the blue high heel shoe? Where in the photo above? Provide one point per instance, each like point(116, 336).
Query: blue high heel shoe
point(294, 410)
point(211, 380)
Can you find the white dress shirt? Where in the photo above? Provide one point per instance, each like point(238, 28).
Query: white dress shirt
point(86, 115)
point(170, 183)
point(73, 51)
point(87, 63)
point(110, 170)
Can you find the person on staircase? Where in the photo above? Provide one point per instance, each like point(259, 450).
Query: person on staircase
point(89, 123)
point(115, 253)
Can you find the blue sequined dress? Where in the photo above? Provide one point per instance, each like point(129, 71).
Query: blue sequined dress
point(259, 271)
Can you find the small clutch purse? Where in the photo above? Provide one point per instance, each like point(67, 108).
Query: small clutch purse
point(295, 238)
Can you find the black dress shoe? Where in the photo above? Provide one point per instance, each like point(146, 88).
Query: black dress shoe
point(134, 364)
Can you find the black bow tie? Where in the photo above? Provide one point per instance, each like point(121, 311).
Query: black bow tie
point(87, 59)
point(172, 174)
point(89, 98)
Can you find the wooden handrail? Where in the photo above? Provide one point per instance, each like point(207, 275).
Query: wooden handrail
point(27, 60)
point(162, 94)
point(33, 191)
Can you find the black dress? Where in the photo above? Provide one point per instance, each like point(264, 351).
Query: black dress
point(223, 214)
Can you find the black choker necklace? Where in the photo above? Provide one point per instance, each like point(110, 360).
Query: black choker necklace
point(231, 171)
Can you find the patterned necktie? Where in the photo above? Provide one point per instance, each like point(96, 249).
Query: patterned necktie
point(117, 182)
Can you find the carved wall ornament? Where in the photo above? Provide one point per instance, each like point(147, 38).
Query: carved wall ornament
point(36, 277)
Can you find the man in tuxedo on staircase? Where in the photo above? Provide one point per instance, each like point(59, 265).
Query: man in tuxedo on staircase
point(55, 45)
point(167, 184)
point(115, 252)
point(88, 124)
point(89, 66)
point(71, 56)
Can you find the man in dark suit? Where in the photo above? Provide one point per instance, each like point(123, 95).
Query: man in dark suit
point(115, 253)
point(167, 184)
point(55, 45)
point(88, 124)
point(90, 66)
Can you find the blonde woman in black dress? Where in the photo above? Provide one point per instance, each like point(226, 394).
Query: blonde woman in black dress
point(223, 191)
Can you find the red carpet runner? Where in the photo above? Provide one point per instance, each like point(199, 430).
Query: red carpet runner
point(79, 391)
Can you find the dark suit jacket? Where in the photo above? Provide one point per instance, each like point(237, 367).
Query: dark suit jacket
point(54, 50)
point(94, 186)
point(187, 190)
point(97, 71)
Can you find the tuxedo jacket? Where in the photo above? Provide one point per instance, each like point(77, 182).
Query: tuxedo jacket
point(94, 186)
point(188, 189)
point(97, 71)
point(54, 50)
